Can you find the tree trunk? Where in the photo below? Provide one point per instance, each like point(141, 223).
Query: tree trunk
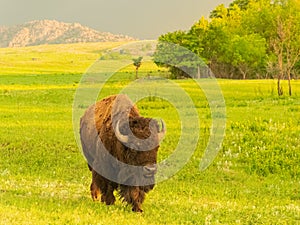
point(289, 80)
point(243, 72)
point(281, 71)
point(279, 48)
point(136, 73)
point(279, 88)
point(199, 72)
point(290, 88)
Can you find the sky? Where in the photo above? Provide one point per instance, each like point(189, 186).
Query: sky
point(142, 19)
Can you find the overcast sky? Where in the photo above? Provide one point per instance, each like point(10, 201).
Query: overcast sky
point(144, 19)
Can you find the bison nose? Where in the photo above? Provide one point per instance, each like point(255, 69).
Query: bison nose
point(150, 170)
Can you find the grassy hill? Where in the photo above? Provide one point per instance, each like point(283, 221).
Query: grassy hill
point(44, 178)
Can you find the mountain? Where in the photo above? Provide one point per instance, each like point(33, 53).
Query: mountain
point(40, 32)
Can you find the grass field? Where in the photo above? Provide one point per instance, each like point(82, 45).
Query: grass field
point(44, 179)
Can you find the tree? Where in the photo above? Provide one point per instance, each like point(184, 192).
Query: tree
point(246, 53)
point(180, 61)
point(219, 12)
point(196, 36)
point(248, 39)
point(242, 4)
point(196, 40)
point(214, 47)
point(137, 62)
point(286, 43)
point(172, 52)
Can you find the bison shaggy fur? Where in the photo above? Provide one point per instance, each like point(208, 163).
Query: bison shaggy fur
point(121, 150)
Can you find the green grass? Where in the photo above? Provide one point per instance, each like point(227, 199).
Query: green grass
point(52, 59)
point(44, 178)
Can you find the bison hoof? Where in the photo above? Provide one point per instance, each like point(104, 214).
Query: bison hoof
point(103, 198)
point(95, 195)
point(110, 201)
point(138, 210)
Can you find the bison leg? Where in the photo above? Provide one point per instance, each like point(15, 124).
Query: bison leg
point(133, 196)
point(109, 195)
point(103, 186)
point(95, 189)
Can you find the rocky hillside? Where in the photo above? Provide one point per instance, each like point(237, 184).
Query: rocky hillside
point(53, 32)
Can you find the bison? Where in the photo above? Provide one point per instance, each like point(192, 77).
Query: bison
point(121, 150)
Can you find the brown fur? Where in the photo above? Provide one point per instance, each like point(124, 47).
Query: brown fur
point(99, 122)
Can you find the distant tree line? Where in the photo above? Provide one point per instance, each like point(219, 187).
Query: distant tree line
point(250, 39)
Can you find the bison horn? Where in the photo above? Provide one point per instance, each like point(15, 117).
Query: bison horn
point(163, 131)
point(121, 137)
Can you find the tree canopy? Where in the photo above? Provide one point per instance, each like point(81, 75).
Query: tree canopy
point(249, 39)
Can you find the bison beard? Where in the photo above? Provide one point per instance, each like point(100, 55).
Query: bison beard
point(121, 149)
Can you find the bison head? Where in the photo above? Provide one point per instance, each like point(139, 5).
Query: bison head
point(140, 139)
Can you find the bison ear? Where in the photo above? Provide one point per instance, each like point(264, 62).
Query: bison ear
point(121, 137)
